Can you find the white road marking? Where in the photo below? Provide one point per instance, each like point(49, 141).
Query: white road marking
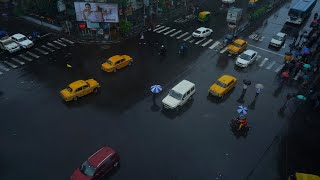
point(32, 54)
point(192, 40)
point(17, 61)
point(60, 43)
point(279, 68)
point(182, 35)
point(4, 68)
point(224, 50)
point(169, 31)
point(263, 62)
point(186, 39)
point(67, 40)
point(163, 30)
point(47, 48)
point(266, 50)
point(52, 45)
point(175, 33)
point(158, 25)
point(270, 65)
point(0, 72)
point(158, 28)
point(10, 64)
point(203, 45)
point(24, 57)
point(198, 42)
point(45, 35)
point(215, 44)
point(41, 51)
point(258, 57)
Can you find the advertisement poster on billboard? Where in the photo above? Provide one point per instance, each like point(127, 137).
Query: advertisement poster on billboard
point(96, 12)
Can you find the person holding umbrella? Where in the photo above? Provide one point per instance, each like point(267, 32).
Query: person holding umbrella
point(155, 89)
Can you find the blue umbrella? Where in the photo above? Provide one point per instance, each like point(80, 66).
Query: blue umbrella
point(306, 51)
point(156, 89)
point(242, 110)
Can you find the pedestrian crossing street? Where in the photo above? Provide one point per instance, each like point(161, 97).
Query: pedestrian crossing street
point(33, 54)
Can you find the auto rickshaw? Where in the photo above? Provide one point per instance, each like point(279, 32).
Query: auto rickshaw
point(204, 16)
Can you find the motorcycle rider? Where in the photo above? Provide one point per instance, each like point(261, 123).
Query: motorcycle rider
point(242, 122)
point(162, 50)
point(183, 48)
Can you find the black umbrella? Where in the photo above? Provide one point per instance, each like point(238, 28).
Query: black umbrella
point(247, 82)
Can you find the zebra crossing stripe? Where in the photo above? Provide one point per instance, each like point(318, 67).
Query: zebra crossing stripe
point(191, 41)
point(215, 44)
point(203, 45)
point(32, 54)
point(41, 51)
point(17, 61)
point(67, 40)
point(279, 68)
point(24, 57)
point(10, 64)
point(163, 30)
point(52, 45)
point(224, 50)
point(47, 48)
point(0, 72)
point(263, 62)
point(182, 35)
point(60, 43)
point(169, 31)
point(270, 65)
point(198, 42)
point(258, 57)
point(158, 25)
point(175, 33)
point(4, 68)
point(186, 39)
point(158, 28)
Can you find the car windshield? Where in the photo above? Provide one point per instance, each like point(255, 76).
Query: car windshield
point(87, 169)
point(221, 84)
point(7, 42)
point(175, 94)
point(109, 62)
point(245, 57)
point(294, 13)
point(276, 37)
point(237, 45)
point(22, 39)
point(69, 89)
point(198, 32)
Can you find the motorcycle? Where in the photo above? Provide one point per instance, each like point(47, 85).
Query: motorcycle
point(182, 50)
point(162, 51)
point(34, 36)
point(235, 124)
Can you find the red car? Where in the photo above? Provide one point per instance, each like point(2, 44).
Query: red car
point(97, 165)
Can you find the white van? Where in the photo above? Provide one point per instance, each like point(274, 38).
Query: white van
point(179, 95)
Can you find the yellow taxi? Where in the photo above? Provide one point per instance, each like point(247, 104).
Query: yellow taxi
point(237, 46)
point(79, 88)
point(116, 62)
point(222, 86)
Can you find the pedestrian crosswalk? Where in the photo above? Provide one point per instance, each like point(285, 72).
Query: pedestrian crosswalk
point(268, 64)
point(7, 64)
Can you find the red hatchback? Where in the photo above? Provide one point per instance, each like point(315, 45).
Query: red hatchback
point(97, 165)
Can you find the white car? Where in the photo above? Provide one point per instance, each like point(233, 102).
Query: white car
point(179, 95)
point(228, 1)
point(22, 40)
point(6, 43)
point(246, 58)
point(278, 40)
point(202, 32)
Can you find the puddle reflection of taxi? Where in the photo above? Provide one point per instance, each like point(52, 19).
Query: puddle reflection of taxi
point(79, 88)
point(237, 46)
point(116, 62)
point(222, 86)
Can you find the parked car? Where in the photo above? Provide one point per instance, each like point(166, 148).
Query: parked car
point(179, 95)
point(7, 43)
point(202, 32)
point(278, 40)
point(237, 46)
point(116, 62)
point(246, 58)
point(97, 165)
point(22, 40)
point(222, 86)
point(79, 88)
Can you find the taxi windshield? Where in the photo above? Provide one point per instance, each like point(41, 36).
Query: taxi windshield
point(237, 45)
point(175, 94)
point(221, 84)
point(109, 62)
point(69, 89)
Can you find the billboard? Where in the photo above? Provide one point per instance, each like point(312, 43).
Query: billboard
point(96, 12)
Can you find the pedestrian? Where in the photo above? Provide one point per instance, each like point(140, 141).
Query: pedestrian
point(298, 67)
point(245, 87)
point(257, 92)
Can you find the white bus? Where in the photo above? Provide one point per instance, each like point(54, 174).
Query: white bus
point(300, 11)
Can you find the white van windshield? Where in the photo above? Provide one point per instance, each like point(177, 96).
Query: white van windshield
point(175, 94)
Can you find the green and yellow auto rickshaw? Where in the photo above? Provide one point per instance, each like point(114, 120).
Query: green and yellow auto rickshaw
point(204, 16)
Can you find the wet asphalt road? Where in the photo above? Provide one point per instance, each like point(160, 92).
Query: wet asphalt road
point(51, 138)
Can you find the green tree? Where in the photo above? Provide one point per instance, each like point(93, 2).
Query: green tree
point(125, 25)
point(39, 6)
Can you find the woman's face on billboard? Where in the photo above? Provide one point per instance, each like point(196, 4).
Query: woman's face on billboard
point(87, 7)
